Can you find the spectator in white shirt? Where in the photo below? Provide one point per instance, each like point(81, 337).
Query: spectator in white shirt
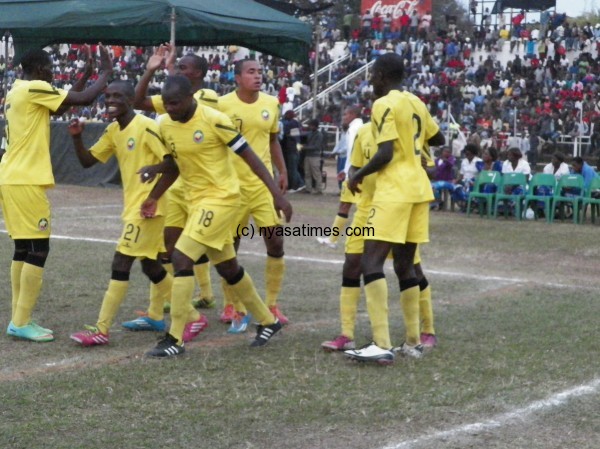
point(557, 166)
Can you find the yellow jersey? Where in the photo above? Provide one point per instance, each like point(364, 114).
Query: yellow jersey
point(136, 146)
point(207, 97)
point(203, 148)
point(363, 150)
point(256, 122)
point(27, 111)
point(403, 118)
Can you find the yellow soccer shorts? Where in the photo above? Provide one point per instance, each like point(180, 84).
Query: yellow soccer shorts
point(26, 211)
point(142, 237)
point(177, 209)
point(346, 195)
point(209, 225)
point(399, 222)
point(355, 243)
point(258, 203)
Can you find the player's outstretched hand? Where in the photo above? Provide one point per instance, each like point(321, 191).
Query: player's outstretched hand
point(106, 64)
point(282, 182)
point(90, 63)
point(283, 205)
point(76, 127)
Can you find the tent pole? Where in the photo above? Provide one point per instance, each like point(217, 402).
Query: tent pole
point(316, 80)
point(173, 17)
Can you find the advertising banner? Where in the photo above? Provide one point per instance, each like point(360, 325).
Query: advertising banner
point(395, 7)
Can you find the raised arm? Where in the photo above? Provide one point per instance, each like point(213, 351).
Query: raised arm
point(88, 95)
point(142, 101)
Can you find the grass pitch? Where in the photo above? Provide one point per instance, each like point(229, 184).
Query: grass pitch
point(516, 307)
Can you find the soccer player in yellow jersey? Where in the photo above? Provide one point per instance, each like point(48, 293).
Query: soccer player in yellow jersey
point(135, 141)
point(25, 175)
point(256, 116)
point(364, 148)
point(194, 68)
point(401, 125)
point(204, 141)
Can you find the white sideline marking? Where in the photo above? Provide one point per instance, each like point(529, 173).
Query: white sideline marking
point(556, 400)
point(341, 262)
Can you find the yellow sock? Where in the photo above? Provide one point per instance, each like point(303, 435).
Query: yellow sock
point(113, 298)
point(181, 302)
point(340, 223)
point(245, 290)
point(274, 270)
point(349, 297)
point(29, 291)
point(377, 306)
point(230, 298)
point(202, 273)
point(15, 282)
point(409, 301)
point(426, 310)
point(159, 294)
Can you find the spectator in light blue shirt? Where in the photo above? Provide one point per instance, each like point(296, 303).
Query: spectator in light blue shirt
point(584, 169)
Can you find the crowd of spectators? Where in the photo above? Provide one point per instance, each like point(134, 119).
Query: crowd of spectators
point(546, 89)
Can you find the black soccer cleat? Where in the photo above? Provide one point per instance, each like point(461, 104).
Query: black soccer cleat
point(167, 347)
point(264, 333)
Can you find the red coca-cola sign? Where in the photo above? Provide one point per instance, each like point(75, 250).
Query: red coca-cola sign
point(395, 7)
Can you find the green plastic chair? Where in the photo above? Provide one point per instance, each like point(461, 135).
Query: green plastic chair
point(511, 181)
point(594, 203)
point(541, 180)
point(560, 200)
point(485, 199)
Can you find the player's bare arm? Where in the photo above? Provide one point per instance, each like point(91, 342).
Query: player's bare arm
point(169, 173)
point(88, 95)
point(281, 204)
point(384, 155)
point(86, 159)
point(155, 61)
point(87, 72)
point(279, 162)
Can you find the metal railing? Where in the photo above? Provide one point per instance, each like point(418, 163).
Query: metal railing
point(322, 97)
point(329, 67)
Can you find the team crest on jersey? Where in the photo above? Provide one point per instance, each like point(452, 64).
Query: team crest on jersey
point(131, 144)
point(43, 224)
point(265, 114)
point(198, 136)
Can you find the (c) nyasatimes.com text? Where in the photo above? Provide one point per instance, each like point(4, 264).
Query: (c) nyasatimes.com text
point(303, 231)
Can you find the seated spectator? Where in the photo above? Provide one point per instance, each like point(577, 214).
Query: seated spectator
point(467, 174)
point(557, 166)
point(584, 169)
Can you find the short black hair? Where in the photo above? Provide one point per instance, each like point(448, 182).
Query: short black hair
point(559, 156)
point(178, 83)
point(126, 87)
point(239, 66)
point(472, 148)
point(313, 122)
point(578, 160)
point(515, 152)
point(34, 59)
point(200, 62)
point(493, 153)
point(391, 66)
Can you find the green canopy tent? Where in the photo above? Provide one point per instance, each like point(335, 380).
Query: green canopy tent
point(37, 23)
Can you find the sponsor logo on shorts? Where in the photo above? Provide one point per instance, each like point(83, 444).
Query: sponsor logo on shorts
point(131, 144)
point(198, 136)
point(265, 114)
point(43, 224)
